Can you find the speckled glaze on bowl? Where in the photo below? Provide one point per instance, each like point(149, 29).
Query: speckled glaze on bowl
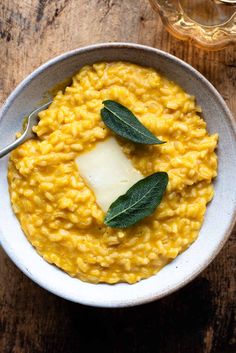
point(220, 215)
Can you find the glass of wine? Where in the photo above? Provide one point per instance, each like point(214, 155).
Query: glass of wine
point(209, 24)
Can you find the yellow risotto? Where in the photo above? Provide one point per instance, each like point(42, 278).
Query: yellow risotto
point(57, 210)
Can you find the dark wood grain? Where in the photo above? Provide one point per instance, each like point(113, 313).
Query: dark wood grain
point(197, 319)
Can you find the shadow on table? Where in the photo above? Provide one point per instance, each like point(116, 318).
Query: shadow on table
point(174, 324)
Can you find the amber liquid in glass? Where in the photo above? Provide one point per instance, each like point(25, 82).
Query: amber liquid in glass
point(209, 24)
point(207, 12)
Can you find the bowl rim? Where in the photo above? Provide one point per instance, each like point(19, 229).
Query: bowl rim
point(126, 45)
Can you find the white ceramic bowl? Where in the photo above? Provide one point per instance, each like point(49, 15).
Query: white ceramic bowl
point(220, 213)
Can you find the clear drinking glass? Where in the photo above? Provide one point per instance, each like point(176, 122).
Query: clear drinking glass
point(209, 24)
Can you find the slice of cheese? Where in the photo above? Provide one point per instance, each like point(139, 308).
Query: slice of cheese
point(107, 172)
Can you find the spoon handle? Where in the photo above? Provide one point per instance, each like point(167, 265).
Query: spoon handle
point(13, 145)
point(27, 134)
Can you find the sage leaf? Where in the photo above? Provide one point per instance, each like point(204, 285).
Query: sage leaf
point(124, 123)
point(138, 202)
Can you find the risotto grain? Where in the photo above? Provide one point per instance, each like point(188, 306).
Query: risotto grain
point(59, 213)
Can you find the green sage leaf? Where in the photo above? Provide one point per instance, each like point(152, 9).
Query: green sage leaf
point(139, 201)
point(124, 123)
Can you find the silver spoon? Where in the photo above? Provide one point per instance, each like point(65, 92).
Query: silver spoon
point(28, 133)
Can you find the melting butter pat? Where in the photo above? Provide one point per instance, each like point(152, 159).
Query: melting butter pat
point(107, 172)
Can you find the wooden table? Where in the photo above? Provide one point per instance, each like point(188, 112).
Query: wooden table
point(197, 319)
